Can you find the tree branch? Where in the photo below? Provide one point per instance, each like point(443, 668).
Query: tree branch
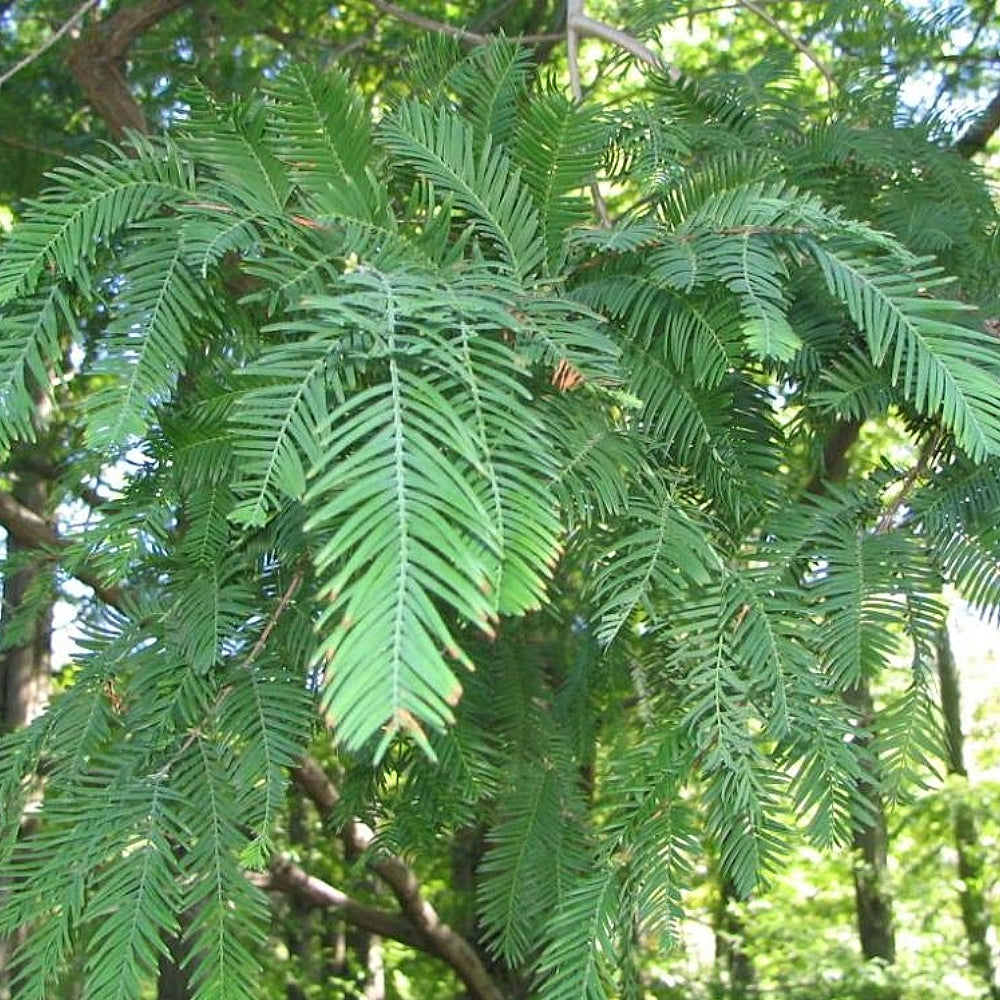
point(428, 24)
point(442, 28)
point(359, 838)
point(287, 877)
point(773, 22)
point(96, 62)
point(33, 530)
point(927, 455)
point(71, 22)
point(577, 23)
point(584, 25)
point(974, 139)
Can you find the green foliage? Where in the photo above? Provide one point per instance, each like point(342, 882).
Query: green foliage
point(497, 497)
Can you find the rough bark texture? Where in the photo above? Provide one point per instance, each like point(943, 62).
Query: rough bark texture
point(972, 897)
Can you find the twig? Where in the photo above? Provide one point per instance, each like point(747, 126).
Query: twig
point(8, 140)
point(574, 13)
point(286, 599)
point(773, 22)
point(885, 522)
point(442, 28)
point(258, 647)
point(68, 25)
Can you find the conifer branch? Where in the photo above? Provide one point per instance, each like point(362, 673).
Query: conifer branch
point(286, 877)
point(927, 455)
point(33, 530)
point(283, 602)
point(359, 839)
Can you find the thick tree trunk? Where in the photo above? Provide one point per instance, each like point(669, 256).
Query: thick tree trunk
point(972, 898)
point(873, 900)
point(25, 664)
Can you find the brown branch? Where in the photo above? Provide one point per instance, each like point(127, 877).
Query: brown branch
point(576, 23)
point(584, 25)
point(359, 839)
point(974, 139)
point(451, 30)
point(33, 530)
point(97, 58)
point(769, 19)
point(284, 601)
point(428, 24)
point(284, 876)
point(68, 25)
point(927, 455)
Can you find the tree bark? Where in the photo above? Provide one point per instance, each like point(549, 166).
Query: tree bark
point(25, 664)
point(972, 897)
point(423, 926)
point(97, 61)
point(871, 844)
point(873, 902)
point(733, 963)
point(173, 981)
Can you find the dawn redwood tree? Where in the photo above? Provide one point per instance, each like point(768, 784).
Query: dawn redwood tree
point(396, 408)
